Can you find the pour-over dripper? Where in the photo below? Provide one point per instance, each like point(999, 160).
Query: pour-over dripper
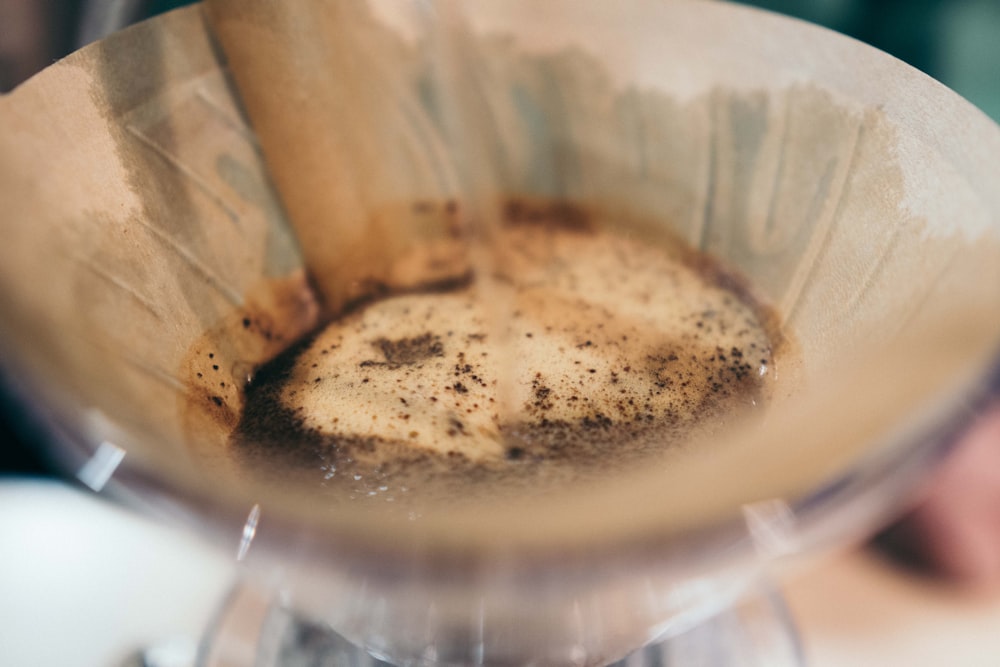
point(855, 193)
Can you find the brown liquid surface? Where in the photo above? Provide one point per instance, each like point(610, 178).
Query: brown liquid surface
point(586, 352)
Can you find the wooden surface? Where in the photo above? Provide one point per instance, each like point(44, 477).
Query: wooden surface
point(857, 610)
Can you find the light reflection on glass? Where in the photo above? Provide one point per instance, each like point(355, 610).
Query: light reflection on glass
point(249, 530)
point(772, 527)
point(96, 472)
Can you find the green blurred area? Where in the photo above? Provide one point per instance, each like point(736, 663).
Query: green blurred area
point(955, 41)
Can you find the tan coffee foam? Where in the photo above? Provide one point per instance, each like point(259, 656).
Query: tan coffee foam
point(604, 348)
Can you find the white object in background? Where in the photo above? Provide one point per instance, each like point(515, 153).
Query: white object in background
point(85, 583)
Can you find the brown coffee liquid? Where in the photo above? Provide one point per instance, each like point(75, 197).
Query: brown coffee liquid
point(607, 352)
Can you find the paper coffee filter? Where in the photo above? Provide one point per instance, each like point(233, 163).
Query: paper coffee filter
point(139, 218)
point(148, 265)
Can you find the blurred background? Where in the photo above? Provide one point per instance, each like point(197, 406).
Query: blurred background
point(954, 41)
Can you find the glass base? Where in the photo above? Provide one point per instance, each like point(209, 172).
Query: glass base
point(253, 631)
point(757, 632)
